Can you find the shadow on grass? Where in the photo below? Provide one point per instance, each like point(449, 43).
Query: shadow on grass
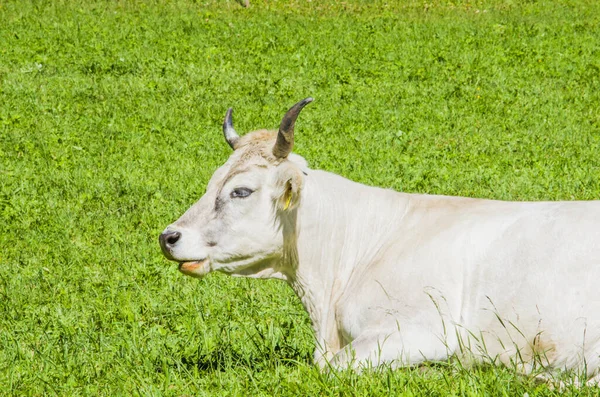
point(257, 352)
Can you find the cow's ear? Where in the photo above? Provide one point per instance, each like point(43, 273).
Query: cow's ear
point(288, 186)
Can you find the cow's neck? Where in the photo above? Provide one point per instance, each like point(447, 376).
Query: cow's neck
point(338, 230)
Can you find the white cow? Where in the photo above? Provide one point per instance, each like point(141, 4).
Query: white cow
point(397, 278)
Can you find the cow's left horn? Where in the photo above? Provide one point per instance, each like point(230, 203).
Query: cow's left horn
point(285, 136)
point(231, 136)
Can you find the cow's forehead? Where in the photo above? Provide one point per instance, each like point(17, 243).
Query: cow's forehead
point(254, 149)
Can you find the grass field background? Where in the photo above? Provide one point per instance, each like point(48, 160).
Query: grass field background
point(110, 126)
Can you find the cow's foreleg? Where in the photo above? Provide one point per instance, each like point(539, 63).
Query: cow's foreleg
point(594, 381)
point(398, 348)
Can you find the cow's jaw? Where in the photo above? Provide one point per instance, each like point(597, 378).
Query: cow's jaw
point(196, 269)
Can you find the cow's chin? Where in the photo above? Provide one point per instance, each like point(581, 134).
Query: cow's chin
point(196, 269)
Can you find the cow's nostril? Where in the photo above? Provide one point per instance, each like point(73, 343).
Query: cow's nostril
point(172, 238)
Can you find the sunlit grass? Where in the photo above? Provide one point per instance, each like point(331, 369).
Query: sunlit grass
point(110, 117)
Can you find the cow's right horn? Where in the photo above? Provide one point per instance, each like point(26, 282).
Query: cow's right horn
point(231, 136)
point(285, 136)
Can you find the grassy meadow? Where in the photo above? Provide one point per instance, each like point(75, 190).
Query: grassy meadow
point(110, 127)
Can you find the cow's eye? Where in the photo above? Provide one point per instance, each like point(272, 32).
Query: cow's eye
point(241, 192)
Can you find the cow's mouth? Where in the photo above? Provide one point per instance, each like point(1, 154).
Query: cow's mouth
point(195, 268)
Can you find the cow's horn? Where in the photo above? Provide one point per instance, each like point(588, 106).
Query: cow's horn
point(231, 136)
point(285, 136)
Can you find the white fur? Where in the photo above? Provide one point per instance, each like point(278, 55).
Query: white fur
point(405, 278)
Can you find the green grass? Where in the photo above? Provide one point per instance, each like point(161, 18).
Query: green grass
point(110, 115)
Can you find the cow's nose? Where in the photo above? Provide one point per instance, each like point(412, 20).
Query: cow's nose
point(168, 239)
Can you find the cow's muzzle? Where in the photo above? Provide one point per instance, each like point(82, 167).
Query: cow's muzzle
point(168, 239)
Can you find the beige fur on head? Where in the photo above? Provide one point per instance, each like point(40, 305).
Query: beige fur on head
point(257, 143)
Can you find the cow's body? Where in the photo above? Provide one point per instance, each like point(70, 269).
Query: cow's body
point(425, 277)
point(388, 277)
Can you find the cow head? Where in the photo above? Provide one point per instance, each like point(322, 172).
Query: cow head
point(236, 227)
